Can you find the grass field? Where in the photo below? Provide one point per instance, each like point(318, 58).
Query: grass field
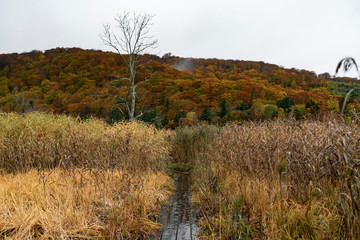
point(284, 179)
point(64, 178)
point(280, 179)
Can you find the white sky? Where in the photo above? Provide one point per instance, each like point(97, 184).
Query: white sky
point(305, 34)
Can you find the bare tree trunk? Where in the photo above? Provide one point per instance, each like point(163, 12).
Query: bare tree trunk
point(132, 99)
point(133, 40)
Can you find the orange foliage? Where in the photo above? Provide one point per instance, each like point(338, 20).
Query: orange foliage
point(72, 80)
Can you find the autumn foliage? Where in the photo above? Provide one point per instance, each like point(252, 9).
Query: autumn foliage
point(82, 82)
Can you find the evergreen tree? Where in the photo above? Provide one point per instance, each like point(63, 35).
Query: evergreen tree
point(251, 98)
point(179, 115)
point(206, 114)
point(151, 116)
point(115, 116)
point(314, 107)
point(286, 103)
point(224, 108)
point(165, 121)
point(242, 107)
point(166, 106)
point(83, 116)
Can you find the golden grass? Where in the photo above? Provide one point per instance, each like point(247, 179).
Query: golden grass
point(62, 178)
point(250, 208)
point(281, 180)
point(38, 140)
point(78, 204)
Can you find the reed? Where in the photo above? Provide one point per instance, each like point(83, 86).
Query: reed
point(63, 178)
point(45, 141)
point(79, 205)
point(66, 178)
point(282, 180)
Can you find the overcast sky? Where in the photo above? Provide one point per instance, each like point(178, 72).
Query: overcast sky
point(304, 34)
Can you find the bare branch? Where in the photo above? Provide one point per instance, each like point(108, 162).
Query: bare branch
point(144, 80)
point(119, 108)
point(132, 41)
point(118, 77)
point(139, 115)
point(142, 112)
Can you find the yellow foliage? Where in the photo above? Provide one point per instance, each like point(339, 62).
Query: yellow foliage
point(333, 105)
point(190, 115)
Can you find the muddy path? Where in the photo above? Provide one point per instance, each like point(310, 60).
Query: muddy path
point(179, 216)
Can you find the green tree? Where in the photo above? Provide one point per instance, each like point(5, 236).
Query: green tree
point(152, 117)
point(165, 121)
point(178, 116)
point(251, 98)
point(242, 107)
point(166, 106)
point(299, 110)
point(313, 106)
point(270, 111)
point(115, 116)
point(286, 103)
point(257, 110)
point(206, 114)
point(224, 108)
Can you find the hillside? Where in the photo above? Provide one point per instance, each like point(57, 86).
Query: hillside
point(82, 82)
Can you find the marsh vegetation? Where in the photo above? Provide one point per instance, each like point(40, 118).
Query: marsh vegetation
point(62, 177)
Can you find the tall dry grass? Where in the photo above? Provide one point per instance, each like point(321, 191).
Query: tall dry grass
point(43, 141)
point(281, 180)
point(63, 178)
point(190, 144)
point(80, 206)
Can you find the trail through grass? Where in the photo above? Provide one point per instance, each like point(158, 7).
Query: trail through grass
point(63, 178)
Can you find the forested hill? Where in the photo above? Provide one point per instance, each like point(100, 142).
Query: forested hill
point(83, 82)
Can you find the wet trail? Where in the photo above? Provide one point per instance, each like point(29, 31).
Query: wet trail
point(179, 216)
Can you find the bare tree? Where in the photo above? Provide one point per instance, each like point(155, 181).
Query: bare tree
point(131, 42)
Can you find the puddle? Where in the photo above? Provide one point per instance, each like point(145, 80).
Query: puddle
point(179, 216)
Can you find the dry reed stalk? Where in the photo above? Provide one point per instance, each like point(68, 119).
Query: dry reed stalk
point(46, 141)
point(319, 178)
point(92, 180)
point(67, 207)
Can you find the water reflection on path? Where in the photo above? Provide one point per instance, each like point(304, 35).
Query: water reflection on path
point(179, 216)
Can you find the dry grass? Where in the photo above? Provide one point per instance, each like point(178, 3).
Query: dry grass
point(76, 204)
point(67, 179)
point(43, 141)
point(64, 178)
point(281, 180)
